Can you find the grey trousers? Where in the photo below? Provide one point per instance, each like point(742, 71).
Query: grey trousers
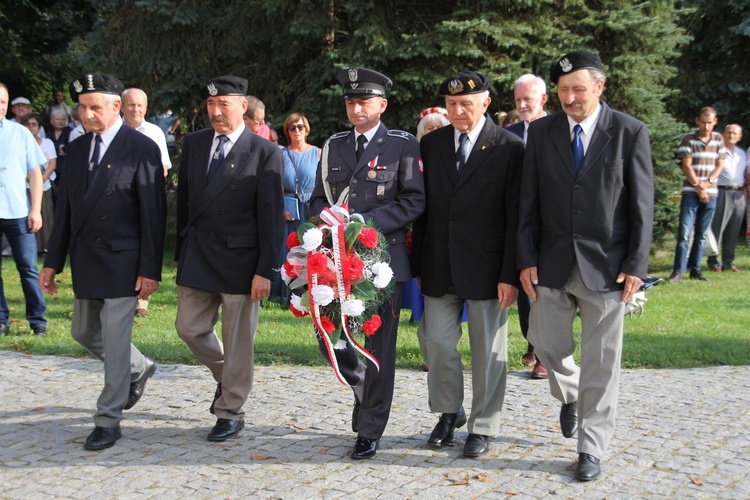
point(730, 209)
point(230, 359)
point(488, 338)
point(595, 384)
point(104, 327)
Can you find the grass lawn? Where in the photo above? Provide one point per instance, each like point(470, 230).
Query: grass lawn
point(685, 325)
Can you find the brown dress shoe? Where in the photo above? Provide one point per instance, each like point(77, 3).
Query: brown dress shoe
point(540, 371)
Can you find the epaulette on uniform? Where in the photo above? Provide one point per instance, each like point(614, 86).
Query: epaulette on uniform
point(400, 133)
point(339, 135)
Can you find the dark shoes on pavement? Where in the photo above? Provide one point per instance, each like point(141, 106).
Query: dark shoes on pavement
point(137, 387)
point(365, 448)
point(540, 371)
point(442, 434)
point(217, 395)
point(102, 437)
point(588, 467)
point(569, 419)
point(225, 428)
point(476, 445)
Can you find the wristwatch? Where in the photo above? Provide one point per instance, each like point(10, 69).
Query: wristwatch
point(712, 181)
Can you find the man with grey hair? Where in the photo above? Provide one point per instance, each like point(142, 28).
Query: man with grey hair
point(255, 117)
point(111, 216)
point(530, 93)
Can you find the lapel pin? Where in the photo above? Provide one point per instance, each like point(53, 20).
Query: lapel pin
point(231, 166)
point(484, 147)
point(109, 166)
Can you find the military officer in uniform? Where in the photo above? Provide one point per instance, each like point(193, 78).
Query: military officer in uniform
point(377, 172)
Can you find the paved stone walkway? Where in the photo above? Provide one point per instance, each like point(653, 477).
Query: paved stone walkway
point(680, 434)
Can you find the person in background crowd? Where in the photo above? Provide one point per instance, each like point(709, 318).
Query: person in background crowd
point(59, 134)
point(730, 204)
point(584, 236)
point(33, 123)
point(512, 117)
point(702, 154)
point(113, 206)
point(255, 117)
point(431, 119)
point(21, 214)
point(300, 164)
point(57, 104)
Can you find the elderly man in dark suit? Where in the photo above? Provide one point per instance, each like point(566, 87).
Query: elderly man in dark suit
point(230, 225)
point(377, 172)
point(584, 234)
point(464, 250)
point(111, 216)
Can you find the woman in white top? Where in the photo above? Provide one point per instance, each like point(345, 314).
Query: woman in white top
point(33, 123)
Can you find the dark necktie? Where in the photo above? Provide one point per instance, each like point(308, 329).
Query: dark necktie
point(94, 162)
point(461, 153)
point(361, 140)
point(577, 146)
point(217, 158)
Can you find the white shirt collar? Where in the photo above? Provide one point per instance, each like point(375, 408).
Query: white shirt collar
point(234, 136)
point(109, 134)
point(369, 134)
point(472, 135)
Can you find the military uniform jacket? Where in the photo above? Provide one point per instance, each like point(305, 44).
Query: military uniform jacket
point(115, 228)
point(600, 218)
point(232, 228)
point(466, 239)
point(385, 186)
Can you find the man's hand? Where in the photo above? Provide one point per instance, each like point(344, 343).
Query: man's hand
point(47, 280)
point(288, 216)
point(145, 287)
point(506, 295)
point(703, 196)
point(632, 285)
point(260, 289)
point(34, 221)
point(529, 280)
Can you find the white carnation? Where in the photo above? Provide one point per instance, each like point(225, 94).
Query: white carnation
point(284, 276)
point(322, 294)
point(383, 274)
point(312, 239)
point(296, 301)
point(353, 307)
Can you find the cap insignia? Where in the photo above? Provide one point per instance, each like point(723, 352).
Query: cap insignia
point(455, 86)
point(354, 85)
point(77, 86)
point(353, 75)
point(471, 84)
point(565, 65)
point(212, 89)
point(90, 82)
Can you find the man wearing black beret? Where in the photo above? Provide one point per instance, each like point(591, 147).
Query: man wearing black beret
point(111, 215)
point(584, 235)
point(230, 228)
point(377, 172)
point(464, 250)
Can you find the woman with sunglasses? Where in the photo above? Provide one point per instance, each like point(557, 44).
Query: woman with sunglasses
point(300, 164)
point(33, 122)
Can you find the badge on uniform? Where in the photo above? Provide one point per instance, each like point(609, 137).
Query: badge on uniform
point(381, 190)
point(372, 174)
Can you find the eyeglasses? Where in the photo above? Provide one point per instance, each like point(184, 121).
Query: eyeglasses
point(32, 124)
point(292, 128)
point(259, 121)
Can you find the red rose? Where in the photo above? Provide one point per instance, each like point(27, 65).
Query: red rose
point(353, 268)
point(297, 313)
point(372, 325)
point(317, 263)
point(292, 240)
point(328, 277)
point(368, 237)
point(289, 269)
point(327, 324)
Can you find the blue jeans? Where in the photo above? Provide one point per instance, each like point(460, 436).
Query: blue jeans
point(23, 243)
point(700, 215)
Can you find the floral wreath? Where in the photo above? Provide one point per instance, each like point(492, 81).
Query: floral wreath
point(339, 275)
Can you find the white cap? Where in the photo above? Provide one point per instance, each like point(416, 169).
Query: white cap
point(20, 100)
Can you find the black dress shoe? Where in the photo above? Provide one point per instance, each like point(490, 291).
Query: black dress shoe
point(102, 437)
point(696, 274)
point(442, 434)
point(137, 387)
point(225, 428)
point(365, 448)
point(588, 467)
point(476, 445)
point(40, 331)
point(569, 419)
point(355, 415)
point(4, 329)
point(217, 395)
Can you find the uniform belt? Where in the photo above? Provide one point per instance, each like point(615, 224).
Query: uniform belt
point(731, 188)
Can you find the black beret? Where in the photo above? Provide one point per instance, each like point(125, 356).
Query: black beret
point(573, 61)
point(361, 83)
point(224, 85)
point(95, 82)
point(465, 82)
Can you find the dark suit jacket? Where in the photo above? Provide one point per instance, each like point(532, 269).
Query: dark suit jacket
point(391, 194)
point(232, 228)
point(600, 218)
point(467, 235)
point(115, 228)
point(517, 128)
